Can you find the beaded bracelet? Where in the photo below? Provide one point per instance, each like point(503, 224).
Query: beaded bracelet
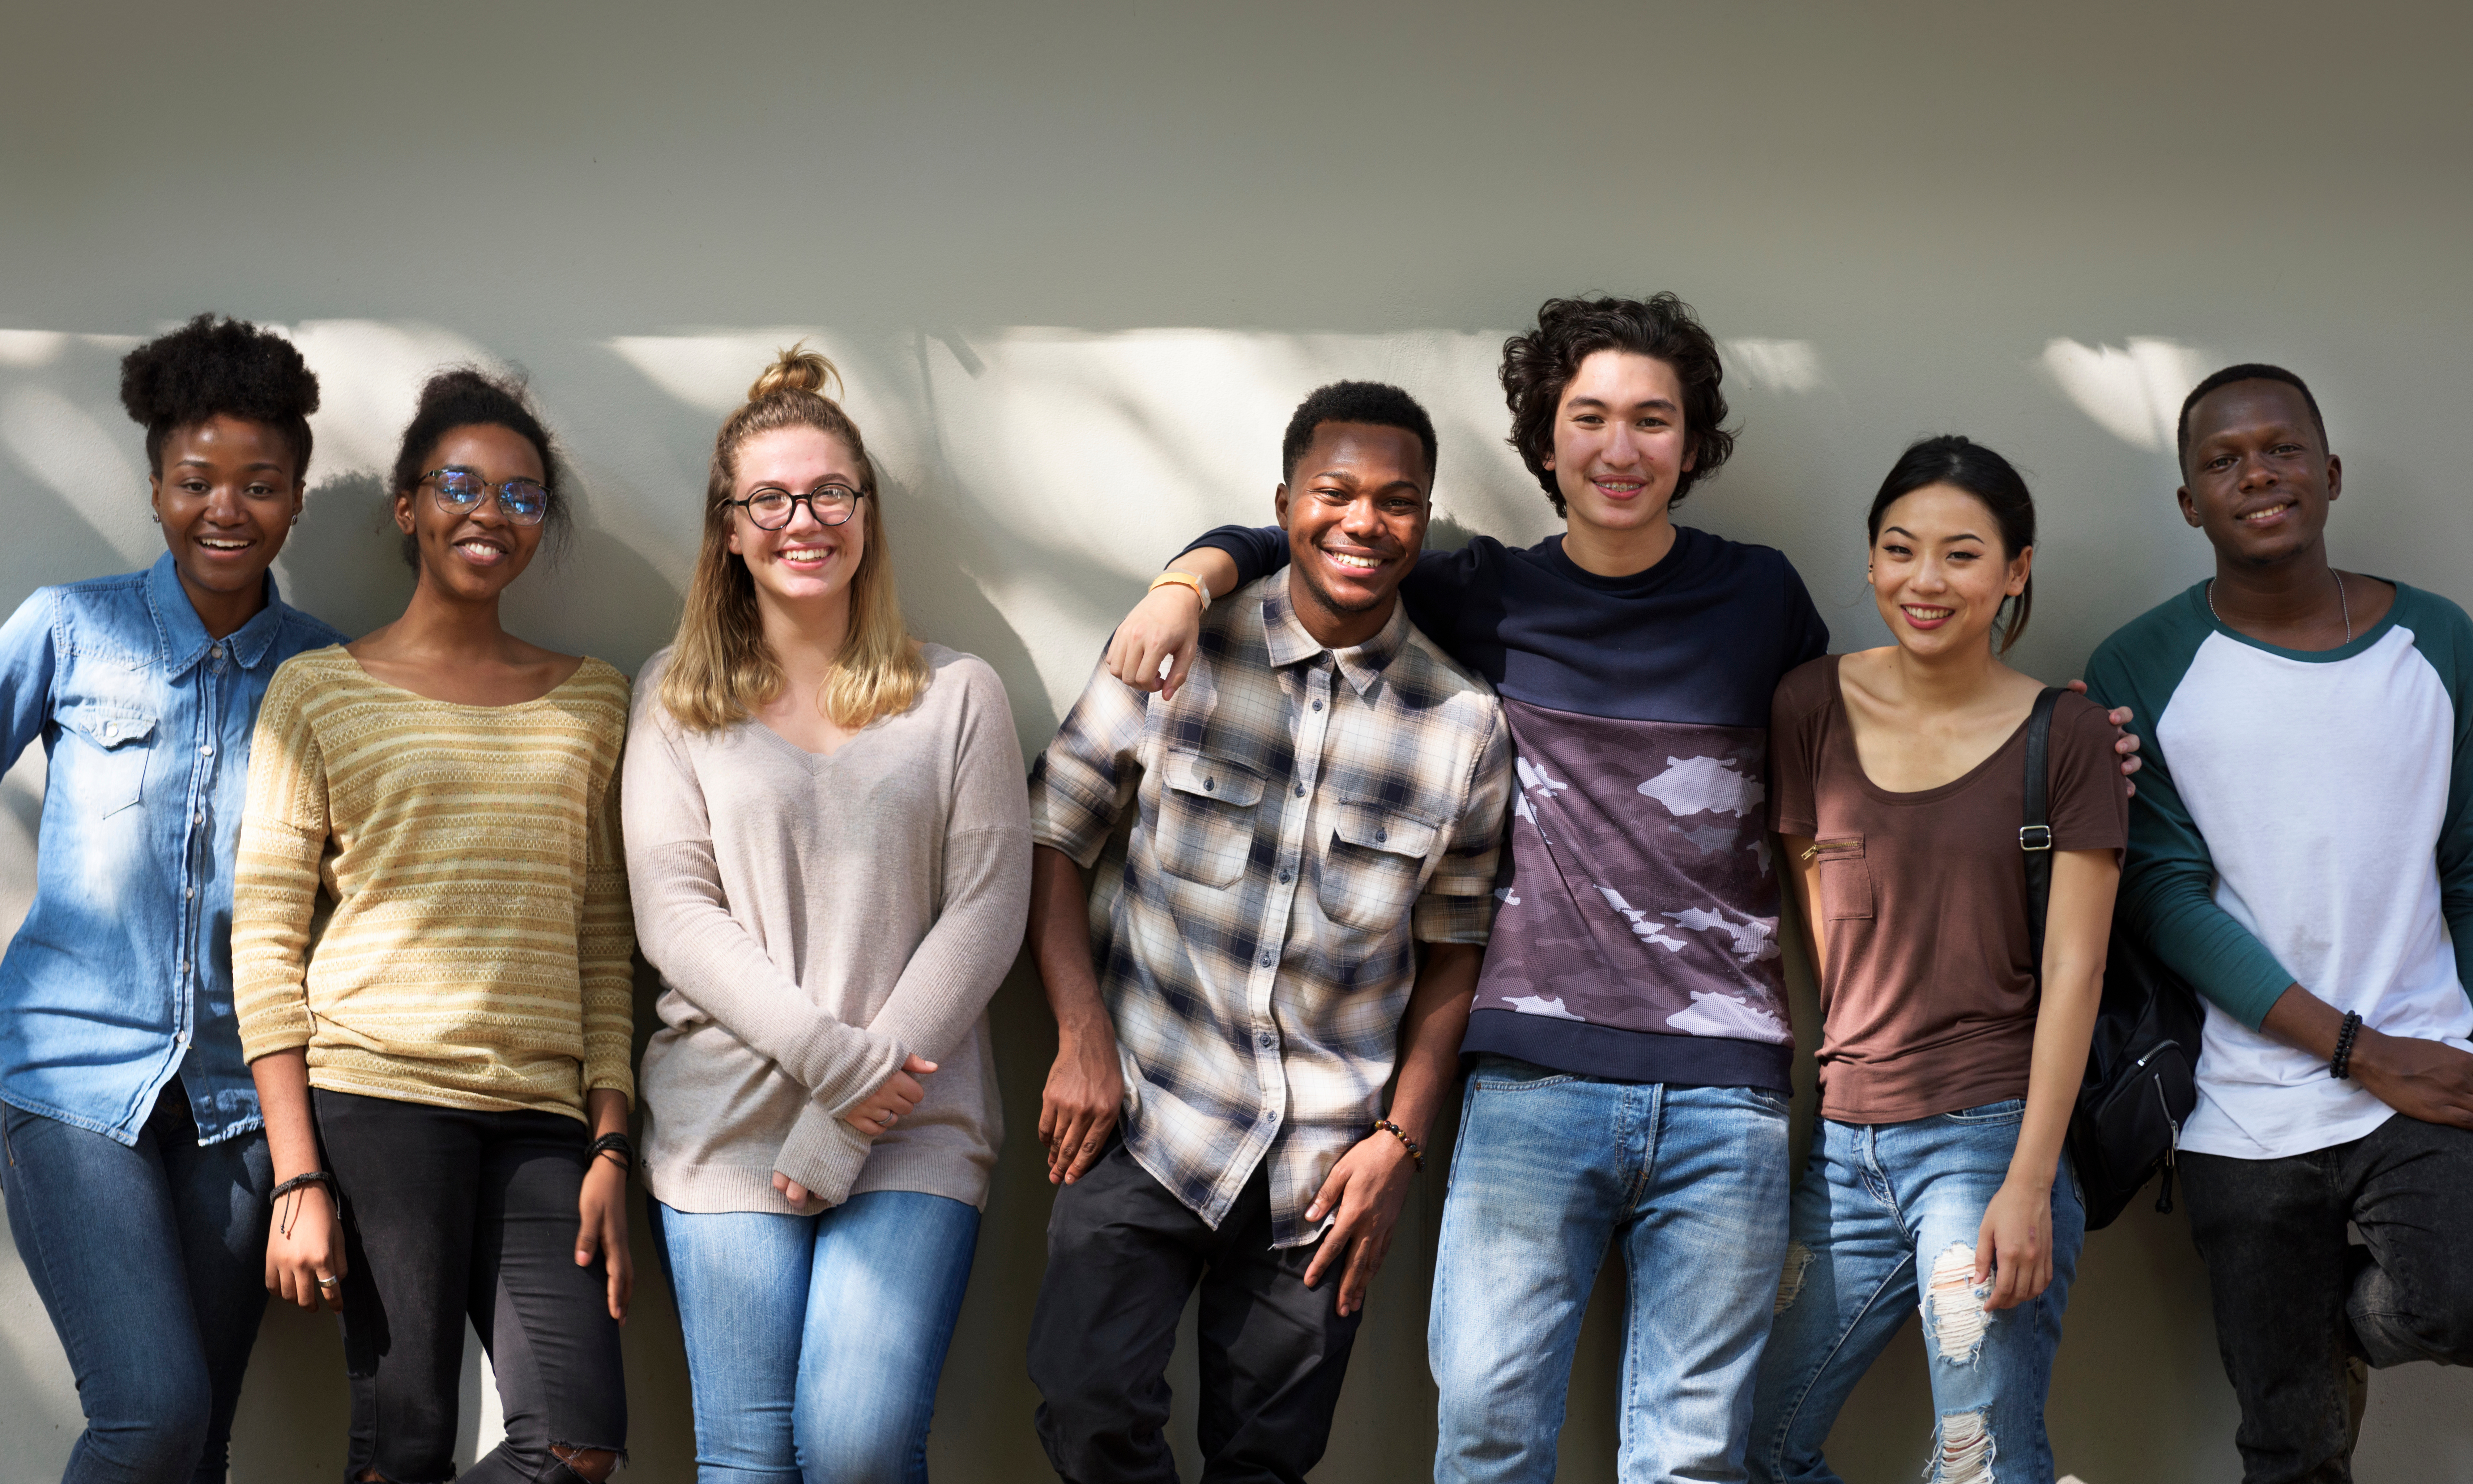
point(1415, 1152)
point(2342, 1066)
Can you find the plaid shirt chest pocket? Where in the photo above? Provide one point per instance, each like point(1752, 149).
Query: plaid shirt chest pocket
point(1373, 863)
point(1206, 818)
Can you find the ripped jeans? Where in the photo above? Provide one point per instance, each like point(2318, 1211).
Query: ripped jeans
point(1884, 1224)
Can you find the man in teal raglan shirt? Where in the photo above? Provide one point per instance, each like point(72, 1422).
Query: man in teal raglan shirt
point(2301, 852)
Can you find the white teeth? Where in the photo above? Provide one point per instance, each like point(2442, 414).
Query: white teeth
point(1364, 564)
point(212, 545)
point(2257, 515)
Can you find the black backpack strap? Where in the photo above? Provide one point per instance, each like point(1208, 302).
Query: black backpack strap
point(2036, 833)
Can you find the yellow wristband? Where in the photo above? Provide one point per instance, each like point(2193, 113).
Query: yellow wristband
point(1184, 580)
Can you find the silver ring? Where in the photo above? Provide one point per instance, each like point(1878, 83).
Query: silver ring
point(330, 1282)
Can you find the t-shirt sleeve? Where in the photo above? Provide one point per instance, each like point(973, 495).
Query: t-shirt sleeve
point(1259, 551)
point(1794, 750)
point(2087, 799)
point(2447, 642)
point(1807, 634)
point(2168, 877)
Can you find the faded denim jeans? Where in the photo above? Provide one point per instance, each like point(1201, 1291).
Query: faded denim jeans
point(1550, 1172)
point(1884, 1224)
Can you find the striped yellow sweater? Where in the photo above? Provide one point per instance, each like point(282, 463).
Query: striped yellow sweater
point(478, 954)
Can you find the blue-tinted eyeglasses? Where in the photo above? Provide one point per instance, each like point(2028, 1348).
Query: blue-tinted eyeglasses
point(459, 490)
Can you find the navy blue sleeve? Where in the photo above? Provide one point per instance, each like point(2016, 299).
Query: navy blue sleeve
point(1259, 551)
point(1807, 633)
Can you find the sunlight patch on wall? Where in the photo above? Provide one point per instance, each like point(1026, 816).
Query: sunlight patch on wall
point(1777, 365)
point(370, 373)
point(60, 447)
point(2134, 392)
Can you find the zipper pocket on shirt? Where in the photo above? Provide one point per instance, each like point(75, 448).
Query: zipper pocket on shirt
point(1845, 877)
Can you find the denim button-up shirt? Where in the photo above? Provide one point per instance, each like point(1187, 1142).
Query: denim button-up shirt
point(120, 975)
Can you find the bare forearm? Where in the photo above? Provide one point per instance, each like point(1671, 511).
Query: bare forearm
point(282, 1079)
point(1215, 567)
point(1060, 942)
point(2064, 1023)
point(1430, 1033)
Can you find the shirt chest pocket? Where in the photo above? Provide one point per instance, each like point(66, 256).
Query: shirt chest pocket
point(106, 773)
point(1206, 818)
point(1845, 877)
point(1373, 864)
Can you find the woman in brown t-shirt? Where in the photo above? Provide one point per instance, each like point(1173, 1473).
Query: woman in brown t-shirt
point(1949, 1057)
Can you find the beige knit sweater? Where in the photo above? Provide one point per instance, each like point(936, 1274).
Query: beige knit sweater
point(816, 919)
point(479, 951)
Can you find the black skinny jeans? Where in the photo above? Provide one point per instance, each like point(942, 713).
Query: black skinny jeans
point(2293, 1299)
point(449, 1216)
point(1123, 1255)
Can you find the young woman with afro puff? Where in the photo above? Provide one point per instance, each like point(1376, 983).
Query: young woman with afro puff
point(137, 1176)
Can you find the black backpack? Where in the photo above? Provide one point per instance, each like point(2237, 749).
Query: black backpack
point(2140, 1077)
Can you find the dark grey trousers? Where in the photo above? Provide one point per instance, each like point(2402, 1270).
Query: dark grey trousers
point(1124, 1256)
point(2293, 1301)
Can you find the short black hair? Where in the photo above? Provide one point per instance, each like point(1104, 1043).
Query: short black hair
point(466, 396)
point(1539, 363)
point(1964, 463)
point(211, 368)
point(1373, 402)
point(2248, 370)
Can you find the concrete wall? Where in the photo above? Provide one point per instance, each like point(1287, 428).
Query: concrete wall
point(1079, 261)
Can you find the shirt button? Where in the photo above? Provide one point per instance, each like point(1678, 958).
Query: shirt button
point(110, 732)
point(185, 965)
point(1301, 790)
point(188, 891)
point(1286, 877)
point(1317, 705)
point(208, 749)
point(198, 817)
point(1382, 835)
point(1209, 784)
point(1264, 1038)
point(1268, 957)
point(1270, 1116)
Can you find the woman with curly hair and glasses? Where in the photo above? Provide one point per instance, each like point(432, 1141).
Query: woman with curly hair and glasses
point(448, 1061)
point(136, 1175)
point(829, 840)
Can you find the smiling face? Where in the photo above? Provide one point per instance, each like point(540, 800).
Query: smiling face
point(1354, 506)
point(1620, 444)
point(226, 492)
point(1939, 573)
point(473, 556)
point(805, 562)
point(2260, 475)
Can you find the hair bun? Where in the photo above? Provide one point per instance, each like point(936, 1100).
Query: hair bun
point(794, 369)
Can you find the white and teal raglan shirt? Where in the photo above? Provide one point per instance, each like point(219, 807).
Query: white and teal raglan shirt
point(2303, 818)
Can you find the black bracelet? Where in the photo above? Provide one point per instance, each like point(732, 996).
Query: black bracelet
point(1415, 1152)
point(299, 1183)
point(2342, 1066)
point(619, 1145)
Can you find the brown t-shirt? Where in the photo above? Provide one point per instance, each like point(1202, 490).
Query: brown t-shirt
point(1928, 996)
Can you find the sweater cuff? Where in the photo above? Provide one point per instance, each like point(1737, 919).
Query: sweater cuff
point(822, 1153)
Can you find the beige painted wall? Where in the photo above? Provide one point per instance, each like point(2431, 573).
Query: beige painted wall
point(1080, 260)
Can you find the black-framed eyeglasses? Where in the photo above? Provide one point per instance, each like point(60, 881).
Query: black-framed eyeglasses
point(772, 507)
point(459, 491)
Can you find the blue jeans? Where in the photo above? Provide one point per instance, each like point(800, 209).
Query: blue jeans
point(1879, 1205)
point(152, 1263)
point(1551, 1169)
point(814, 1342)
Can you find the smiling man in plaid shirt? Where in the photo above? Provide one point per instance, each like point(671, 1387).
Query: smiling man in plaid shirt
point(1326, 792)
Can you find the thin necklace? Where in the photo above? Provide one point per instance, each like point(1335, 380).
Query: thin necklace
point(2343, 603)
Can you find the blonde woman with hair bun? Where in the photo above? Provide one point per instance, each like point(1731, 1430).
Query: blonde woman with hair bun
point(829, 844)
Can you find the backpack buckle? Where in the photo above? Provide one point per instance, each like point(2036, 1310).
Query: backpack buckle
point(2035, 837)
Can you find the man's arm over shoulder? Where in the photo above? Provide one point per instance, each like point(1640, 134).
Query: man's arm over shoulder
point(2444, 635)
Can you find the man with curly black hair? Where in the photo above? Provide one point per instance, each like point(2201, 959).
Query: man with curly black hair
point(1629, 1032)
point(137, 1176)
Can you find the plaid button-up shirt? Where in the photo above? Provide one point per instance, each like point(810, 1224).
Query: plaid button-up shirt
point(1299, 816)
